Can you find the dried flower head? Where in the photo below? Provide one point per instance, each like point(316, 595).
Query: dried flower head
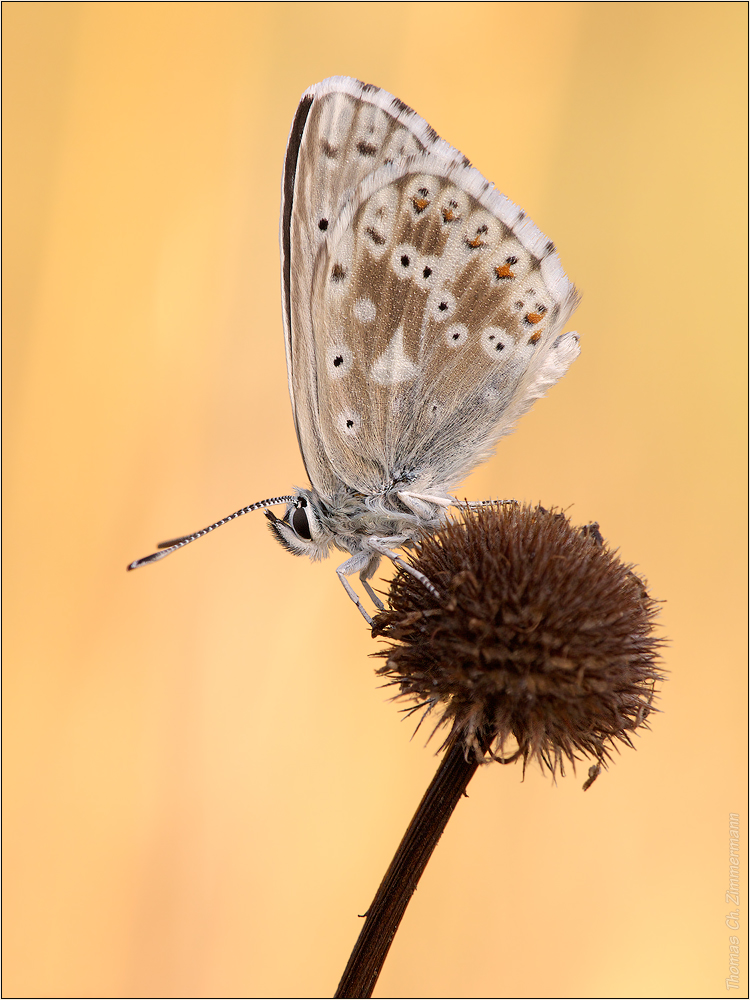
point(540, 642)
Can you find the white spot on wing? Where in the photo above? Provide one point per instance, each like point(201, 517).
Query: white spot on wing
point(364, 310)
point(495, 340)
point(339, 360)
point(377, 218)
point(404, 259)
point(393, 365)
point(442, 305)
point(456, 334)
point(349, 423)
point(511, 250)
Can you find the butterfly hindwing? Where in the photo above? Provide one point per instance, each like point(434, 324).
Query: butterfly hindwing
point(436, 326)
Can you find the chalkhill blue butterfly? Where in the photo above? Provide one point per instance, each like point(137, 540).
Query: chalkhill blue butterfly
point(423, 315)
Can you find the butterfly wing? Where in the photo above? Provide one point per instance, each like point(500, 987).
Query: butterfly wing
point(343, 132)
point(424, 311)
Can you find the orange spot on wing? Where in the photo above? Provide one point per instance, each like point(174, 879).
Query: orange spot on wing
point(533, 317)
point(535, 336)
point(449, 215)
point(420, 203)
point(476, 242)
point(504, 271)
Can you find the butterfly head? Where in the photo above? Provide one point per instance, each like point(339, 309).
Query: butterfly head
point(302, 530)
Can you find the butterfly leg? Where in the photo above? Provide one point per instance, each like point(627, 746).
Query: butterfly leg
point(423, 504)
point(380, 546)
point(353, 594)
point(351, 566)
point(481, 503)
point(372, 595)
point(364, 577)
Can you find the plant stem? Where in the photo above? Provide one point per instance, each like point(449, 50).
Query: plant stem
point(410, 860)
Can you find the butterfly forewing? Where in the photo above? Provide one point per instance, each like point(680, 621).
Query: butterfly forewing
point(343, 132)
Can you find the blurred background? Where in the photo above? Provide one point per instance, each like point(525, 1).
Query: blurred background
point(204, 781)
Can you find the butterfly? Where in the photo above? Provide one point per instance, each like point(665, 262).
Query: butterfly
point(423, 315)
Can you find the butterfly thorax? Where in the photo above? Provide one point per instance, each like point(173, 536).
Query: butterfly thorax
point(350, 521)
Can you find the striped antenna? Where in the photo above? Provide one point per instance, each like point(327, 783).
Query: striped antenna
point(176, 543)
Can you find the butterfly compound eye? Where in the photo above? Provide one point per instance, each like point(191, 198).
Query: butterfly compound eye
point(300, 523)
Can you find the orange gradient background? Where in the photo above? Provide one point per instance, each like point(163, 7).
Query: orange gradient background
point(204, 781)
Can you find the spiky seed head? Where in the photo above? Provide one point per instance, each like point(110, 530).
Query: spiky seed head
point(540, 637)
